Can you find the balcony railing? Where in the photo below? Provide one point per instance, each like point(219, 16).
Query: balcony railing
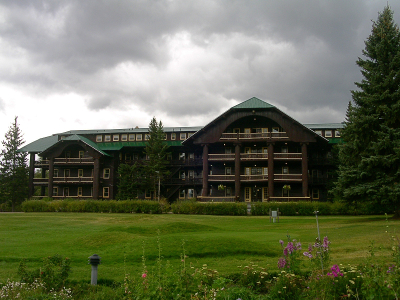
point(286, 156)
point(288, 177)
point(221, 157)
point(253, 177)
point(216, 199)
point(253, 156)
point(254, 136)
point(58, 180)
point(221, 177)
point(59, 161)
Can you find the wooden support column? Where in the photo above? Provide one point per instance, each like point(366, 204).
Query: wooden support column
point(51, 174)
point(271, 170)
point(304, 169)
point(96, 178)
point(31, 188)
point(237, 172)
point(43, 188)
point(205, 170)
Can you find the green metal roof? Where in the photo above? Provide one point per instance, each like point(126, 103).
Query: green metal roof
point(253, 103)
point(115, 146)
point(40, 144)
point(325, 126)
point(76, 137)
point(131, 130)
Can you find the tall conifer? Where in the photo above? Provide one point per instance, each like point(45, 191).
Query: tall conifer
point(370, 156)
point(13, 167)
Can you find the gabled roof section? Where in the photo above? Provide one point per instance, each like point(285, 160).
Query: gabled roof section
point(40, 144)
point(253, 103)
point(77, 138)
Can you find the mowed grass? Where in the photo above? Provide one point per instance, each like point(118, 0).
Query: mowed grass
point(222, 242)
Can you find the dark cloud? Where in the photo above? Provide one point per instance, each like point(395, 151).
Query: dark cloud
point(190, 57)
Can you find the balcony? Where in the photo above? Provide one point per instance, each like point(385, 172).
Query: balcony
point(66, 161)
point(63, 180)
point(253, 156)
point(221, 177)
point(221, 157)
point(247, 178)
point(254, 136)
point(287, 156)
point(216, 199)
point(288, 177)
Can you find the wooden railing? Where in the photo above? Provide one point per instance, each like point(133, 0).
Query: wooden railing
point(285, 156)
point(290, 177)
point(221, 177)
point(253, 156)
point(253, 177)
point(64, 180)
point(216, 199)
point(221, 157)
point(254, 136)
point(58, 161)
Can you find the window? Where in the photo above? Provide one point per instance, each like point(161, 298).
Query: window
point(265, 150)
point(147, 136)
point(247, 150)
point(115, 137)
point(66, 192)
point(81, 154)
point(236, 130)
point(79, 194)
point(275, 129)
point(55, 173)
point(228, 171)
point(247, 130)
point(106, 173)
point(191, 155)
point(173, 136)
point(182, 136)
point(256, 171)
point(190, 193)
point(106, 192)
point(107, 138)
point(285, 170)
point(99, 138)
point(191, 174)
point(66, 173)
point(169, 156)
point(80, 172)
point(318, 132)
point(337, 133)
point(165, 137)
point(285, 192)
point(257, 130)
point(190, 134)
point(228, 150)
point(131, 137)
point(128, 156)
point(55, 191)
point(147, 194)
point(182, 175)
point(315, 193)
point(328, 133)
point(68, 154)
point(264, 130)
point(182, 156)
point(228, 192)
point(138, 137)
point(247, 171)
point(265, 193)
point(124, 137)
point(181, 194)
point(247, 194)
point(265, 170)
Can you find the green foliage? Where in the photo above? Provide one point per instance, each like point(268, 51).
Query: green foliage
point(53, 274)
point(156, 151)
point(197, 208)
point(94, 206)
point(370, 156)
point(13, 168)
point(131, 181)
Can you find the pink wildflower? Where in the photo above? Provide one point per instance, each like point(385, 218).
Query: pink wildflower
point(281, 263)
point(144, 275)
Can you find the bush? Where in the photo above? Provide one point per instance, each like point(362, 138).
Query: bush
point(95, 206)
point(298, 208)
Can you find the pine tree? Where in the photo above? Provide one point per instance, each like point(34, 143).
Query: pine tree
point(370, 156)
point(13, 168)
point(131, 181)
point(156, 151)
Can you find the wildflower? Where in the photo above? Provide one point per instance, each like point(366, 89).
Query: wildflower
point(281, 263)
point(335, 271)
point(144, 275)
point(281, 242)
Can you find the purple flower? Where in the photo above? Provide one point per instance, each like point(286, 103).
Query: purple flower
point(281, 242)
point(290, 247)
point(281, 263)
point(335, 271)
point(326, 242)
point(308, 254)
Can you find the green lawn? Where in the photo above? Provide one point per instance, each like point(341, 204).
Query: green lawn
point(221, 242)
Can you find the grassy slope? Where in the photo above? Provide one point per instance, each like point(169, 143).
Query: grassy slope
point(221, 242)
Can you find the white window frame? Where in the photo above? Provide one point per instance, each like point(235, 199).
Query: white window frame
point(318, 132)
point(337, 133)
point(247, 194)
point(131, 137)
point(328, 133)
point(80, 173)
point(182, 136)
point(124, 137)
point(99, 138)
point(79, 193)
point(107, 138)
point(106, 173)
point(173, 136)
point(106, 192)
point(147, 136)
point(115, 137)
point(139, 137)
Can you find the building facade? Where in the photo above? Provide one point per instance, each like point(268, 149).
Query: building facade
point(252, 152)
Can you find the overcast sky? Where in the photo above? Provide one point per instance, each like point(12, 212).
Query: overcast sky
point(73, 64)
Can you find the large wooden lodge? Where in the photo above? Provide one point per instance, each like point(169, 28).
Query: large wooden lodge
point(249, 153)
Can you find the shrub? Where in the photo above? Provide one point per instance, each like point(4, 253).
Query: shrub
point(198, 208)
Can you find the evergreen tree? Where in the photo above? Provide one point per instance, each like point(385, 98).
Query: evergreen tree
point(156, 151)
point(131, 181)
point(13, 168)
point(370, 156)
